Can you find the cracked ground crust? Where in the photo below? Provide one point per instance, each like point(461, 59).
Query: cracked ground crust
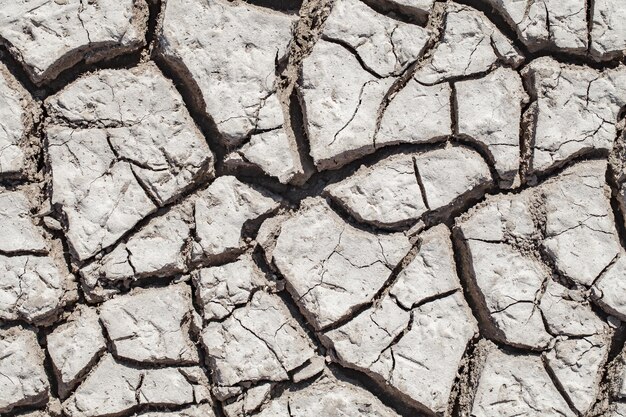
point(379, 208)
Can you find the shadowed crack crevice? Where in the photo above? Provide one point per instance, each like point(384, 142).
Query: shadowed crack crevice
point(527, 130)
point(454, 110)
point(611, 373)
point(155, 7)
point(298, 126)
point(42, 335)
point(420, 184)
point(462, 393)
point(192, 97)
point(345, 45)
point(473, 295)
point(64, 78)
point(466, 383)
point(401, 12)
point(613, 177)
point(17, 70)
point(589, 12)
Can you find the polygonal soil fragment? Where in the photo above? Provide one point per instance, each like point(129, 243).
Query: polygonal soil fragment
point(575, 110)
point(489, 111)
point(568, 218)
point(556, 25)
point(577, 365)
point(619, 410)
point(152, 325)
point(385, 194)
point(416, 114)
point(396, 343)
point(228, 52)
point(260, 341)
point(431, 273)
point(575, 224)
point(330, 393)
point(389, 193)
point(74, 347)
point(361, 342)
point(346, 77)
point(608, 34)
point(250, 401)
point(275, 153)
point(146, 124)
point(99, 196)
point(340, 100)
point(120, 143)
point(157, 249)
point(404, 349)
point(19, 231)
point(582, 346)
point(331, 267)
point(35, 281)
point(113, 388)
point(385, 46)
point(505, 280)
point(174, 386)
point(224, 213)
point(470, 44)
point(447, 175)
point(50, 36)
point(221, 289)
point(212, 225)
point(17, 116)
point(34, 288)
point(567, 312)
point(609, 291)
point(448, 319)
point(515, 385)
point(579, 222)
point(24, 380)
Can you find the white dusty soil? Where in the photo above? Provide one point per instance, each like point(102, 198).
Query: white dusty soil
point(335, 208)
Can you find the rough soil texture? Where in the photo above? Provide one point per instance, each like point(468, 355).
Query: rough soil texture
point(285, 208)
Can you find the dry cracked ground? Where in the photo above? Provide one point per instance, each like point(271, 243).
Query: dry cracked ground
point(342, 208)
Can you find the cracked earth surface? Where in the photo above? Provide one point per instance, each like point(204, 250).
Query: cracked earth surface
point(274, 208)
